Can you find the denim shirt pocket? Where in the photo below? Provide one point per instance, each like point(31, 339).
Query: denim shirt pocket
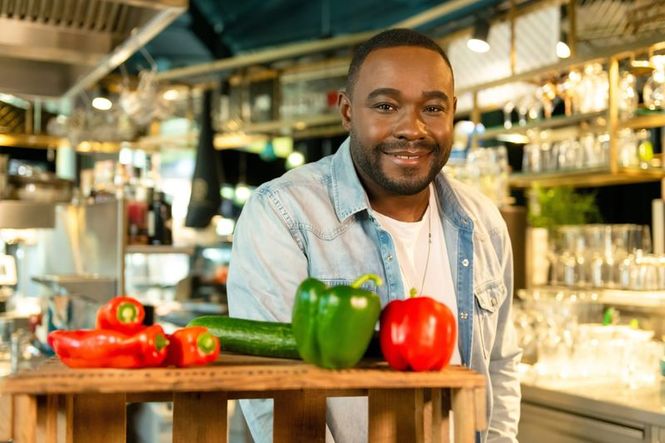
point(489, 297)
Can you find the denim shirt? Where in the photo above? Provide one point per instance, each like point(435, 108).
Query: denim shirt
point(317, 221)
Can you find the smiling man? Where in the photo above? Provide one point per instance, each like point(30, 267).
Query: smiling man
point(382, 205)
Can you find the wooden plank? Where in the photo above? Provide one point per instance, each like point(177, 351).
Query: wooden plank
point(159, 397)
point(97, 418)
point(231, 373)
point(6, 417)
point(299, 416)
point(25, 419)
point(440, 416)
point(396, 415)
point(480, 407)
point(47, 418)
point(429, 420)
point(464, 415)
point(199, 417)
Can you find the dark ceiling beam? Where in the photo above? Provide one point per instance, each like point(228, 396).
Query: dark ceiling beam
point(308, 47)
point(205, 32)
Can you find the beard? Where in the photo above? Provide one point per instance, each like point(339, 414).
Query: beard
point(408, 181)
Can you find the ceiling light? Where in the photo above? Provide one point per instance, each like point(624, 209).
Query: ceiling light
point(562, 48)
point(242, 193)
point(294, 160)
point(479, 40)
point(171, 94)
point(102, 103)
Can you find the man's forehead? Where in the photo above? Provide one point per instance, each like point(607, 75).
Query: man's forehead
point(400, 62)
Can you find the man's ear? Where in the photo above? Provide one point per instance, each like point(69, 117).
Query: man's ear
point(344, 107)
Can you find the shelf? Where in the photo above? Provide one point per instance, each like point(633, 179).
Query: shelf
point(39, 141)
point(159, 249)
point(618, 297)
point(295, 123)
point(554, 122)
point(644, 299)
point(586, 178)
point(645, 121)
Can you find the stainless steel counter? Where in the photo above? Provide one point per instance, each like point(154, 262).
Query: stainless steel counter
point(585, 412)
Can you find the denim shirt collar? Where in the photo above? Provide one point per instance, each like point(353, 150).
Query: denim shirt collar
point(348, 194)
point(451, 209)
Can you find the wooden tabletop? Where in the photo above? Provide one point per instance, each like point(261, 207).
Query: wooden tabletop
point(230, 373)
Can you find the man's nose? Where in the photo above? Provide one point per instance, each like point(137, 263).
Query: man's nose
point(410, 125)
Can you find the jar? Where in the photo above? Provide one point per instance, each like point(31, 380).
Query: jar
point(654, 89)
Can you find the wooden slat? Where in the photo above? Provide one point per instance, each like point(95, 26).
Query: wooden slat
point(299, 416)
point(464, 416)
point(97, 418)
point(480, 408)
point(440, 415)
point(6, 417)
point(47, 419)
point(25, 419)
point(396, 415)
point(200, 417)
point(231, 373)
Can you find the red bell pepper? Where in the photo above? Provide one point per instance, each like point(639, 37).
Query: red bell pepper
point(417, 334)
point(124, 314)
point(192, 346)
point(100, 348)
point(154, 345)
point(95, 349)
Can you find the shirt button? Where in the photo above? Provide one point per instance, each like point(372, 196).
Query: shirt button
point(389, 257)
point(465, 262)
point(463, 315)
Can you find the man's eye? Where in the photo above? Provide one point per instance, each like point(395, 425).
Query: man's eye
point(434, 109)
point(384, 107)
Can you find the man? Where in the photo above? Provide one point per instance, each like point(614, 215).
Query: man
point(382, 205)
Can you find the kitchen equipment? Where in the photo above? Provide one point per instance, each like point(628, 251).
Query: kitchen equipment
point(42, 187)
point(73, 301)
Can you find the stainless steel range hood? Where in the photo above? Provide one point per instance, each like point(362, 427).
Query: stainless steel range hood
point(56, 48)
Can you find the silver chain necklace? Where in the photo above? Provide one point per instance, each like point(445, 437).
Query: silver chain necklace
point(429, 249)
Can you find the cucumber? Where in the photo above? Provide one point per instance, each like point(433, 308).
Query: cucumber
point(252, 337)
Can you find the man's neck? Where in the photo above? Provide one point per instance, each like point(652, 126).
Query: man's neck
point(408, 208)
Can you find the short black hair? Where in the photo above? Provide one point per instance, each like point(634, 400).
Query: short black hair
point(389, 39)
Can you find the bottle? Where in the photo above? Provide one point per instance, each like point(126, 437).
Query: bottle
point(162, 220)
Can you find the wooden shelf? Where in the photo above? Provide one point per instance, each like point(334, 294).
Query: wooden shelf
point(554, 122)
point(645, 121)
point(39, 141)
point(159, 249)
point(586, 178)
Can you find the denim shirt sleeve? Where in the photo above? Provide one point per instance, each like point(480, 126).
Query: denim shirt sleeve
point(505, 354)
point(267, 264)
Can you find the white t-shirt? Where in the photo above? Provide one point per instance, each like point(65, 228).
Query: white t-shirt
point(410, 239)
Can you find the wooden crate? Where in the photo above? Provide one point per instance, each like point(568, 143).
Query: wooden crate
point(53, 403)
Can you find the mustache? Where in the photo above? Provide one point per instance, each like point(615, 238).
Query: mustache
point(403, 145)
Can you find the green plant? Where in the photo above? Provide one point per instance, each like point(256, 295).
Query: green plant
point(552, 207)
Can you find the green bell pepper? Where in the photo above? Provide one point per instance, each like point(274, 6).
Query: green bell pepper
point(334, 325)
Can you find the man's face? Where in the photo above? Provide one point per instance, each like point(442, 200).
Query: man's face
point(400, 118)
